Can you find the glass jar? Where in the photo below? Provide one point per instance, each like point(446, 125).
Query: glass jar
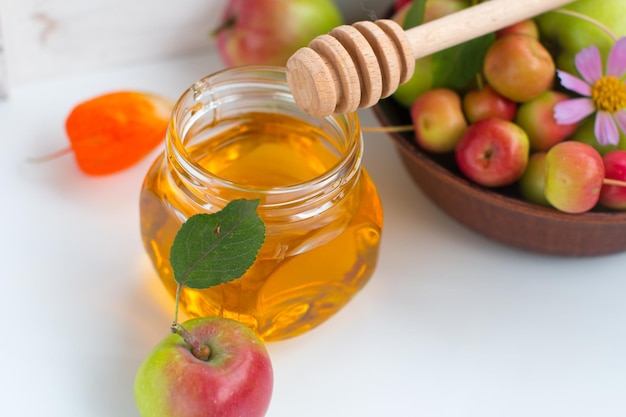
point(239, 134)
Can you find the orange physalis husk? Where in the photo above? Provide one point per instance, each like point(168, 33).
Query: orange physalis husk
point(113, 131)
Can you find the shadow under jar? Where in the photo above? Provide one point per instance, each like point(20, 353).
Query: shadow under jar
point(239, 134)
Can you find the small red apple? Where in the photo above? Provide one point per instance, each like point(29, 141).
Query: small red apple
point(536, 117)
point(492, 152)
point(486, 103)
point(438, 120)
point(236, 379)
point(519, 67)
point(574, 176)
point(614, 196)
point(268, 32)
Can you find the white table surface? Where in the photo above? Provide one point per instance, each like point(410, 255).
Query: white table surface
point(450, 325)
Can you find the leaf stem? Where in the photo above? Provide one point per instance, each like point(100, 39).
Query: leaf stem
point(174, 326)
point(199, 350)
point(588, 19)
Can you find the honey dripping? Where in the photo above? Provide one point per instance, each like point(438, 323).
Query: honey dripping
point(307, 268)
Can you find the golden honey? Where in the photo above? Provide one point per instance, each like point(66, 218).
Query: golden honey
point(238, 134)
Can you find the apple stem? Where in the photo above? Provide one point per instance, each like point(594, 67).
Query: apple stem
point(200, 351)
point(388, 129)
point(588, 19)
point(610, 181)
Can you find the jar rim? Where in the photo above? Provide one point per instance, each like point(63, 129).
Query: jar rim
point(204, 99)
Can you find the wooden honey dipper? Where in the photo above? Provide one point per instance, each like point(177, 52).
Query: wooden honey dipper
point(356, 65)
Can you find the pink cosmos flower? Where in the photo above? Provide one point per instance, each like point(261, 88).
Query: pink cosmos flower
point(604, 94)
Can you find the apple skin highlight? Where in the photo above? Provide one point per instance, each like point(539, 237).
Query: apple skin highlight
point(519, 67)
point(493, 152)
point(438, 119)
point(574, 176)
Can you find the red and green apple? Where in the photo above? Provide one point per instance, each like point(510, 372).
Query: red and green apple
point(485, 103)
point(268, 32)
point(234, 379)
point(493, 152)
point(438, 120)
point(519, 67)
point(526, 27)
point(536, 117)
point(574, 176)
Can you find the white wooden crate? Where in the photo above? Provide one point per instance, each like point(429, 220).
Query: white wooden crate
point(48, 38)
point(44, 39)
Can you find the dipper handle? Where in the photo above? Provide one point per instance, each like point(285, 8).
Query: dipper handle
point(354, 66)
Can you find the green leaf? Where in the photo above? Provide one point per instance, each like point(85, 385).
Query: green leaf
point(211, 249)
point(415, 14)
point(455, 67)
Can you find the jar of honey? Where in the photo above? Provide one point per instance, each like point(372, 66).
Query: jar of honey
point(239, 134)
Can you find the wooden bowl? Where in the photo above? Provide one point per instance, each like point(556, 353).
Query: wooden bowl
point(501, 214)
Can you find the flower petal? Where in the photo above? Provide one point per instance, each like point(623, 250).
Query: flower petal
point(605, 129)
point(620, 118)
point(574, 83)
point(589, 64)
point(616, 64)
point(572, 111)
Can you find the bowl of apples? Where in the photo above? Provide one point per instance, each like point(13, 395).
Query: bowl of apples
point(523, 142)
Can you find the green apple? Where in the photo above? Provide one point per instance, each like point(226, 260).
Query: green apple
point(585, 134)
point(422, 78)
point(568, 34)
point(235, 379)
point(419, 83)
point(532, 183)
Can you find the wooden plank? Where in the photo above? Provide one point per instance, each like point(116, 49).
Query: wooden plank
point(50, 38)
point(46, 39)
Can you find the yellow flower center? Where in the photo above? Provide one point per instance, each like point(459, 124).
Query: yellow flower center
point(609, 94)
